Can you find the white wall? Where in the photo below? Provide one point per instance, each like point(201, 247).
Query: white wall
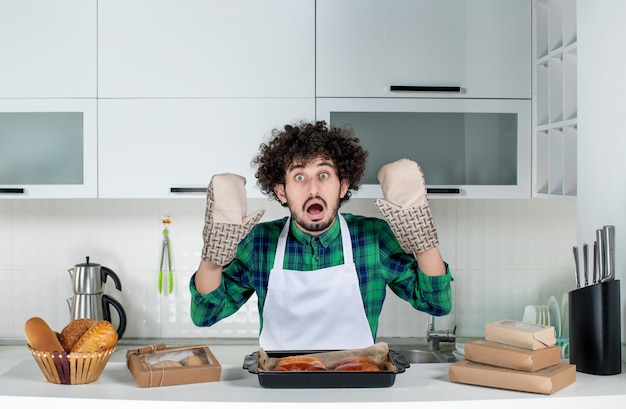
point(601, 136)
point(504, 254)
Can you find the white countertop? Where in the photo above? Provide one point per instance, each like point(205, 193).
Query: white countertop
point(421, 386)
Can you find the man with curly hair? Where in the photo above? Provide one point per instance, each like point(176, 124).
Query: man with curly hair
point(320, 276)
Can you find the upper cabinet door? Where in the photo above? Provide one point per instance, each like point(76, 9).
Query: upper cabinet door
point(483, 47)
point(159, 148)
point(48, 49)
point(199, 48)
point(467, 148)
point(48, 148)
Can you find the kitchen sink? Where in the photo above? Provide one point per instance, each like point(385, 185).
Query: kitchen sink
point(418, 356)
point(423, 354)
point(426, 356)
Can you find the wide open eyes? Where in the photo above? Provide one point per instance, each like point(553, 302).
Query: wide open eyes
point(322, 176)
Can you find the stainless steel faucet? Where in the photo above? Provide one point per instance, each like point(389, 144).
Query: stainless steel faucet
point(434, 337)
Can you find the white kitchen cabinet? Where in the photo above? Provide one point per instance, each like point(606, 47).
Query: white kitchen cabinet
point(48, 48)
point(198, 48)
point(555, 99)
point(48, 148)
point(467, 148)
point(168, 148)
point(483, 47)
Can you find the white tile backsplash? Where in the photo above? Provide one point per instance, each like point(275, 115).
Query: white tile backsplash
point(7, 305)
point(6, 235)
point(503, 254)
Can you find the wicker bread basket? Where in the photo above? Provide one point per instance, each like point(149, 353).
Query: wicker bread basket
point(71, 368)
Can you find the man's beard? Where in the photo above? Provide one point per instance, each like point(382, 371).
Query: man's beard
point(314, 226)
point(317, 226)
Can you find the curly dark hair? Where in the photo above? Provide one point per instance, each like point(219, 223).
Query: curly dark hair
point(305, 142)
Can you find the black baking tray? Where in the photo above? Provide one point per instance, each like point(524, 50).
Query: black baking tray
point(326, 379)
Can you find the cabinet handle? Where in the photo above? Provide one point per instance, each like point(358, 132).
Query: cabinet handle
point(425, 88)
point(446, 190)
point(188, 190)
point(19, 190)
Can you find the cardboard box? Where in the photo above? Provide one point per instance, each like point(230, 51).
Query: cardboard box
point(506, 356)
point(520, 334)
point(159, 365)
point(545, 381)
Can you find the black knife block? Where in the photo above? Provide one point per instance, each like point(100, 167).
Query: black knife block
point(595, 329)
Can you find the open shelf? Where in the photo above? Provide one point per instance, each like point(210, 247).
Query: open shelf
point(555, 97)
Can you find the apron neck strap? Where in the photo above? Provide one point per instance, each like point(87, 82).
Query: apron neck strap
point(346, 241)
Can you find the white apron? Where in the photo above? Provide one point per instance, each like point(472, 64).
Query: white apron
point(314, 310)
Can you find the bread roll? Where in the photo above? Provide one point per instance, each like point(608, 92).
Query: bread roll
point(166, 364)
point(299, 363)
point(299, 367)
point(40, 336)
point(100, 337)
point(74, 331)
point(193, 360)
point(357, 367)
point(355, 360)
point(357, 363)
point(292, 359)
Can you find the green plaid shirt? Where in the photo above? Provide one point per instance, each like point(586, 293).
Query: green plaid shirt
point(379, 259)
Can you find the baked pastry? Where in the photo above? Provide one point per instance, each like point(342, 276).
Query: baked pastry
point(73, 331)
point(193, 360)
point(40, 336)
point(299, 367)
point(100, 337)
point(357, 363)
point(357, 367)
point(166, 364)
point(299, 363)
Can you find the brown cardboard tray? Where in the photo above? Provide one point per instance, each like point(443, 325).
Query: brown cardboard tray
point(507, 356)
point(544, 381)
point(324, 379)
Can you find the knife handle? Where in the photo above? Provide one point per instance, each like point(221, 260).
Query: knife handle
point(601, 254)
point(576, 266)
point(608, 235)
point(596, 263)
point(586, 262)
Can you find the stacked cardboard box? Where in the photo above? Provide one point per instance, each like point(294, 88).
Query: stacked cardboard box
point(517, 356)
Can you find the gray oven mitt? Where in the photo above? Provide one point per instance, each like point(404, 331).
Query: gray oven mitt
point(226, 222)
point(405, 206)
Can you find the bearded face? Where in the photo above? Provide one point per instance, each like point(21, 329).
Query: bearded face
point(313, 193)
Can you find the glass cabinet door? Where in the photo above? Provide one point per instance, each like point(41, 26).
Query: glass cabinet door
point(48, 148)
point(466, 148)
